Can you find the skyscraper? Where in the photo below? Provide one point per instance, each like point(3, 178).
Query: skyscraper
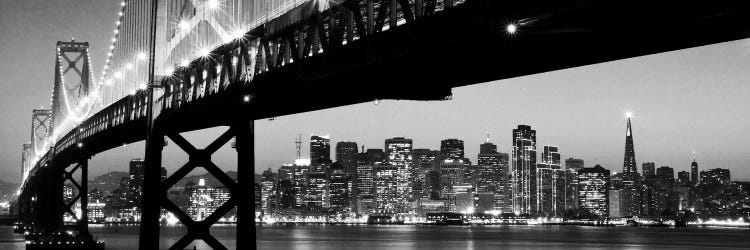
point(398, 151)
point(493, 175)
point(136, 181)
point(572, 165)
point(666, 176)
point(629, 170)
point(365, 202)
point(320, 149)
point(631, 187)
point(346, 155)
point(339, 186)
point(694, 176)
point(523, 170)
point(550, 180)
point(452, 148)
point(425, 161)
point(593, 191)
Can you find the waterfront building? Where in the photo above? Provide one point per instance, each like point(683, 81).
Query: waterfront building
point(593, 190)
point(492, 175)
point(398, 151)
point(572, 165)
point(346, 155)
point(365, 201)
point(523, 171)
point(452, 173)
point(339, 189)
point(385, 193)
point(204, 200)
point(425, 161)
point(316, 197)
point(615, 204)
point(268, 189)
point(136, 169)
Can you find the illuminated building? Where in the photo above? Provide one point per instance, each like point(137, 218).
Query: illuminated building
point(398, 153)
point(694, 177)
point(523, 170)
point(204, 200)
point(268, 185)
point(286, 172)
point(316, 192)
point(716, 175)
point(452, 173)
point(346, 155)
point(96, 211)
point(493, 175)
point(365, 202)
point(593, 190)
point(631, 186)
point(320, 149)
point(550, 181)
point(136, 181)
point(300, 168)
point(572, 165)
point(649, 169)
point(339, 189)
point(285, 194)
point(452, 148)
point(385, 194)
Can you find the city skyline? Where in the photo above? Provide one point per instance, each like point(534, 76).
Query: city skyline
point(695, 102)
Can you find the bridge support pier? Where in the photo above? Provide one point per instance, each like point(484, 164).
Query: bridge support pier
point(242, 190)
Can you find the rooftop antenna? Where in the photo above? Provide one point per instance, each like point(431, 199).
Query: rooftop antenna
point(298, 145)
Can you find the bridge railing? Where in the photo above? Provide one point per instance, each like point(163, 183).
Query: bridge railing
point(302, 32)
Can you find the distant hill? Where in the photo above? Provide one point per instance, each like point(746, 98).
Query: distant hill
point(110, 181)
point(107, 182)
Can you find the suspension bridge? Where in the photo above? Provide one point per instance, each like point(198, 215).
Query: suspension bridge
point(182, 65)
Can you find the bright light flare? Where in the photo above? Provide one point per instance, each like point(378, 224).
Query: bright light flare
point(129, 66)
point(185, 63)
point(511, 28)
point(213, 4)
point(246, 99)
point(204, 52)
point(629, 114)
point(184, 25)
point(142, 56)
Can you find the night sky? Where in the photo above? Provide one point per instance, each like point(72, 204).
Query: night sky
point(686, 101)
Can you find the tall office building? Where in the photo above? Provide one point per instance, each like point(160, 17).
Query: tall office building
point(452, 173)
point(320, 149)
point(425, 161)
point(694, 177)
point(572, 165)
point(398, 151)
point(631, 187)
point(716, 175)
point(136, 180)
point(346, 155)
point(493, 175)
point(649, 169)
point(365, 201)
point(523, 170)
point(550, 180)
point(268, 185)
point(629, 170)
point(452, 148)
point(593, 190)
point(316, 192)
point(386, 197)
point(339, 188)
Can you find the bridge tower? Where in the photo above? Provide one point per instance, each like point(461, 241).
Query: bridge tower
point(72, 84)
point(26, 155)
point(41, 131)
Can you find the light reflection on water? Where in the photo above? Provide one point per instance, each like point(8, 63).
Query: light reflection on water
point(313, 237)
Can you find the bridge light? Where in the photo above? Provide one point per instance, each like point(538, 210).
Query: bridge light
point(143, 86)
point(629, 115)
point(129, 66)
point(118, 74)
point(80, 144)
point(511, 28)
point(142, 56)
point(185, 63)
point(246, 99)
point(204, 52)
point(122, 3)
point(169, 71)
point(184, 25)
point(212, 4)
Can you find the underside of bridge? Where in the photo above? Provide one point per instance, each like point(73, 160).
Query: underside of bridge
point(422, 59)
